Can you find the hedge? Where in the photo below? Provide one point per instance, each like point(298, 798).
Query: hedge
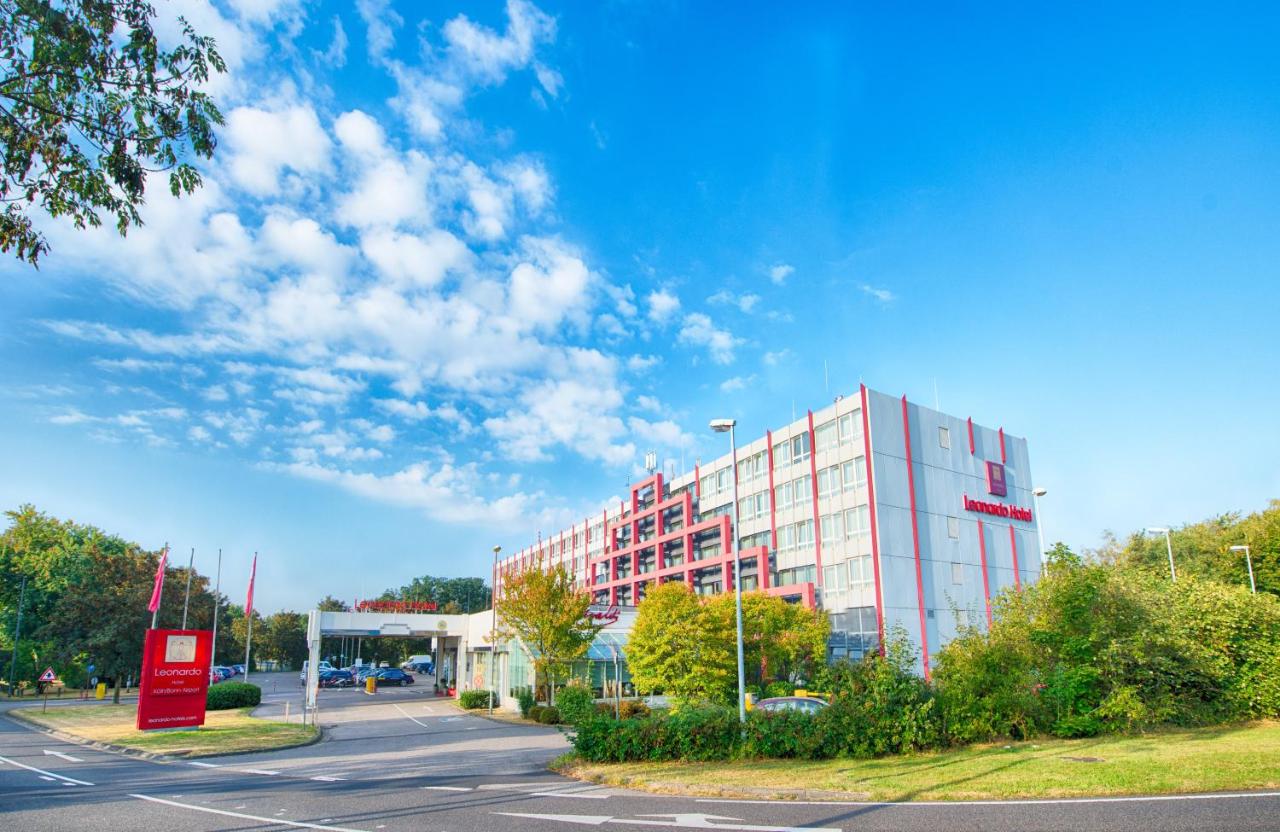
point(550, 715)
point(226, 695)
point(473, 699)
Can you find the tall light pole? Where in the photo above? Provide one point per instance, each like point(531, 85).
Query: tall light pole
point(1248, 559)
point(1168, 543)
point(1036, 494)
point(720, 426)
point(493, 632)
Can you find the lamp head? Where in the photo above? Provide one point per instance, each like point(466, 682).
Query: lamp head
point(1156, 530)
point(722, 425)
point(1239, 548)
point(497, 549)
point(1039, 492)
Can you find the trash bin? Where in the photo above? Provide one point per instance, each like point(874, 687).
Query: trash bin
point(100, 692)
point(370, 684)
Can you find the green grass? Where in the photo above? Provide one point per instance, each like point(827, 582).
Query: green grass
point(224, 732)
point(1227, 758)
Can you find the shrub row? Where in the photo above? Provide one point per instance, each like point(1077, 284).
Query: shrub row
point(546, 714)
point(226, 695)
point(472, 699)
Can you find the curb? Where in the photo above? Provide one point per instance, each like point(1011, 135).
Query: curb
point(151, 756)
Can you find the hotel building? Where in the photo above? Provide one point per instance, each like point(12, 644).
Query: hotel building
point(922, 538)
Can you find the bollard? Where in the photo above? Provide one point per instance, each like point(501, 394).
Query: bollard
point(370, 684)
point(101, 691)
point(286, 712)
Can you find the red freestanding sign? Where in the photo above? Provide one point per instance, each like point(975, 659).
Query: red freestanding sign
point(175, 678)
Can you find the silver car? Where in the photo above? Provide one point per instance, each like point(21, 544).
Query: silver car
point(807, 704)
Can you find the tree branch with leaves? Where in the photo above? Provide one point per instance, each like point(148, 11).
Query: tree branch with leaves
point(545, 611)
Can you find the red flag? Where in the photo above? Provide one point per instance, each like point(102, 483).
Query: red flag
point(155, 592)
point(248, 601)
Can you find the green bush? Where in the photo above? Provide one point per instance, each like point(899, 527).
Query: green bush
point(576, 703)
point(879, 705)
point(525, 699)
point(778, 688)
point(631, 708)
point(696, 734)
point(226, 695)
point(790, 734)
point(535, 712)
point(473, 699)
point(549, 715)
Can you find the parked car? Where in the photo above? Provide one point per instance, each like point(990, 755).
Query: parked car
point(426, 668)
point(220, 673)
point(392, 676)
point(337, 679)
point(364, 671)
point(807, 704)
point(320, 668)
point(238, 669)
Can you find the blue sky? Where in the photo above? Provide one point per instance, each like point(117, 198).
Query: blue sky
point(456, 267)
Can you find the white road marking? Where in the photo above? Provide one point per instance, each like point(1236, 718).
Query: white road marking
point(683, 821)
point(42, 771)
point(1039, 802)
point(326, 779)
point(50, 779)
point(257, 771)
point(225, 813)
point(66, 757)
point(204, 765)
point(448, 788)
point(406, 713)
point(569, 794)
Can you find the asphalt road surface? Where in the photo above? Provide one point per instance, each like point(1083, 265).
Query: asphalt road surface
point(403, 760)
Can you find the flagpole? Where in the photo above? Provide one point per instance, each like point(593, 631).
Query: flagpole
point(187, 598)
point(248, 616)
point(164, 557)
point(217, 587)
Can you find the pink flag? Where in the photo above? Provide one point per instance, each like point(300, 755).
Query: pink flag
point(248, 601)
point(159, 587)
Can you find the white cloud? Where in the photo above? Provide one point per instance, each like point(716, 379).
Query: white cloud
point(410, 411)
point(643, 363)
point(133, 365)
point(336, 55)
point(882, 295)
point(360, 134)
point(650, 403)
point(663, 434)
point(380, 22)
point(262, 143)
point(699, 330)
point(199, 434)
point(416, 259)
point(215, 393)
point(745, 302)
point(552, 284)
point(775, 358)
point(390, 192)
point(733, 385)
point(490, 56)
point(780, 272)
point(663, 306)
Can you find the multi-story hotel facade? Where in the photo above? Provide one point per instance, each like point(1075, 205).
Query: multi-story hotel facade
point(922, 538)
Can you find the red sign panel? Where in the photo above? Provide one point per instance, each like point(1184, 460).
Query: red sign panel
point(995, 480)
point(175, 678)
point(395, 606)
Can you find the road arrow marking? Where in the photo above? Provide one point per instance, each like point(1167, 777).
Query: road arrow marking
point(681, 821)
point(66, 757)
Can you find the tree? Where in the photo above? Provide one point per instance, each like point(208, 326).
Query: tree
point(284, 638)
point(454, 596)
point(331, 604)
point(549, 615)
point(780, 640)
point(90, 103)
point(678, 647)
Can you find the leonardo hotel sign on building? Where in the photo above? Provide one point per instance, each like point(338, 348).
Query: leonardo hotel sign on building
point(998, 509)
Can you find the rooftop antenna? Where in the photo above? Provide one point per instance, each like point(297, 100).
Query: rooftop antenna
point(651, 461)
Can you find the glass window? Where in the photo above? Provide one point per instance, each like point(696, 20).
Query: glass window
point(782, 454)
point(722, 479)
point(829, 481)
point(944, 437)
point(825, 436)
point(857, 521)
point(851, 427)
point(854, 473)
point(800, 447)
point(832, 526)
point(860, 572)
point(953, 528)
point(802, 489)
point(957, 573)
point(804, 533)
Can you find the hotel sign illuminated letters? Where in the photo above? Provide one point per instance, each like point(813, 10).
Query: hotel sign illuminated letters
point(998, 509)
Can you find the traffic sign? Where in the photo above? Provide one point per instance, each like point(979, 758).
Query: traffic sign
point(47, 676)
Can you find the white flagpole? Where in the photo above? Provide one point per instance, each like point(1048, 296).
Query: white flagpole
point(187, 598)
point(213, 651)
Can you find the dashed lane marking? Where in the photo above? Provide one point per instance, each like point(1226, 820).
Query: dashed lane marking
point(448, 788)
point(44, 773)
point(204, 765)
point(258, 771)
point(225, 813)
point(326, 779)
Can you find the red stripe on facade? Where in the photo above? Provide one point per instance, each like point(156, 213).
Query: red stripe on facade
point(972, 448)
point(813, 477)
point(915, 540)
point(1013, 543)
point(871, 500)
point(773, 508)
point(986, 581)
point(697, 482)
point(1002, 457)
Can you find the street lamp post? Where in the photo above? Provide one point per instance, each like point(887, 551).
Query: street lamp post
point(1168, 543)
point(493, 632)
point(1248, 559)
point(720, 426)
point(1036, 494)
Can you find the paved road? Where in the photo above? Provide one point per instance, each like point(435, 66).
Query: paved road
point(405, 761)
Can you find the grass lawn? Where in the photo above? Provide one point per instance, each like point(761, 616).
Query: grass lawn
point(224, 732)
point(1203, 760)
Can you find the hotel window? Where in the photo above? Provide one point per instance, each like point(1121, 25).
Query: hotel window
point(861, 575)
point(854, 473)
point(851, 427)
point(802, 489)
point(857, 521)
point(782, 495)
point(829, 481)
point(753, 506)
point(944, 437)
point(782, 454)
point(825, 436)
point(722, 479)
point(800, 447)
point(707, 485)
point(953, 528)
point(957, 573)
point(832, 526)
point(835, 578)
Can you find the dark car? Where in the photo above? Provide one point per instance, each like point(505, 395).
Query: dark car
point(337, 679)
point(420, 667)
point(806, 704)
point(220, 673)
point(392, 676)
